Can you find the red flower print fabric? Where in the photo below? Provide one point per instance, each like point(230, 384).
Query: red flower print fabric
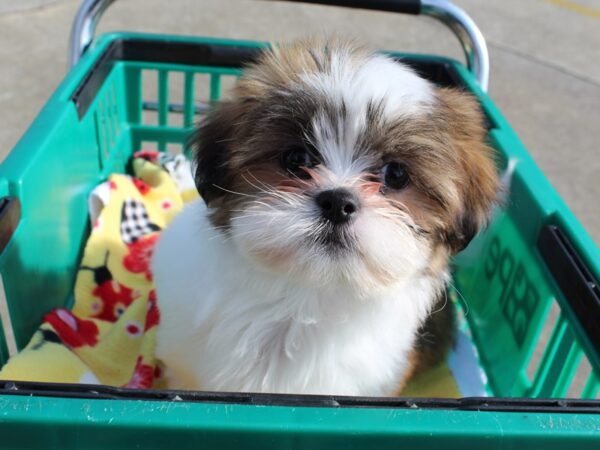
point(73, 331)
point(140, 254)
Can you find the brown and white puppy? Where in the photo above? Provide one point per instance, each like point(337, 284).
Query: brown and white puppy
point(338, 183)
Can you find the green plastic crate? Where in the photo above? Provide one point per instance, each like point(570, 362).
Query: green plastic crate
point(134, 91)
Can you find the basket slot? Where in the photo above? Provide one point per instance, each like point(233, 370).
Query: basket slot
point(558, 364)
point(578, 383)
point(202, 90)
point(591, 388)
point(542, 373)
point(567, 368)
point(149, 96)
point(148, 145)
point(547, 322)
point(175, 107)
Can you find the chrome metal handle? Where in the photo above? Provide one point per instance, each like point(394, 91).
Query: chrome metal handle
point(469, 35)
point(84, 27)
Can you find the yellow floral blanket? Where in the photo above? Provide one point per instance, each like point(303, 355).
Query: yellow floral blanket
point(108, 336)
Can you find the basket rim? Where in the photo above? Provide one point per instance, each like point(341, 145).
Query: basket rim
point(112, 48)
point(487, 404)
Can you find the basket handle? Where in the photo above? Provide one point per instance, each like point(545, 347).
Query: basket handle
point(84, 27)
point(469, 35)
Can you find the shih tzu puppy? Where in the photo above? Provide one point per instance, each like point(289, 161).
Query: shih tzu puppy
point(336, 186)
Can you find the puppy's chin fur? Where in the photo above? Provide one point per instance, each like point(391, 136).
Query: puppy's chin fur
point(258, 292)
point(362, 258)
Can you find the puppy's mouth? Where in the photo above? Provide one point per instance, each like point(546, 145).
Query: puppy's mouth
point(335, 238)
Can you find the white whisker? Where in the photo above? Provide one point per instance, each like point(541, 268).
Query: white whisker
point(445, 303)
point(233, 192)
point(464, 300)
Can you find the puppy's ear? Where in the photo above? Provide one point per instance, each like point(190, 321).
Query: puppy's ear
point(211, 146)
point(479, 181)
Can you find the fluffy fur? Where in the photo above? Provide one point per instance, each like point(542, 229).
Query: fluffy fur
point(258, 292)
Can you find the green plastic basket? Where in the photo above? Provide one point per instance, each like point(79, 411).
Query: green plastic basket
point(134, 91)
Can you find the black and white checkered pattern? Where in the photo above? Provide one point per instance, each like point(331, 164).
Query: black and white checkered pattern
point(135, 222)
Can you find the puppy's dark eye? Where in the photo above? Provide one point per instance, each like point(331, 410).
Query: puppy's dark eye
point(297, 157)
point(395, 175)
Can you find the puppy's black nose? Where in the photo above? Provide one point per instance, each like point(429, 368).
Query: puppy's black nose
point(337, 205)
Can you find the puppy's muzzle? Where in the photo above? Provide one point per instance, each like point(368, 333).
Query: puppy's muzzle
point(337, 206)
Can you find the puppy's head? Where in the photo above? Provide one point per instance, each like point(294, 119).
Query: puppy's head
point(334, 164)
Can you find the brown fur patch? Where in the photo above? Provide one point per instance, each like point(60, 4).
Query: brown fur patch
point(411, 364)
point(282, 65)
point(479, 181)
point(452, 171)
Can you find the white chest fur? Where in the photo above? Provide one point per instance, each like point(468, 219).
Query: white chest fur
point(226, 325)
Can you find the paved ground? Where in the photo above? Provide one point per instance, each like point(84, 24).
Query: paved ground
point(545, 56)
